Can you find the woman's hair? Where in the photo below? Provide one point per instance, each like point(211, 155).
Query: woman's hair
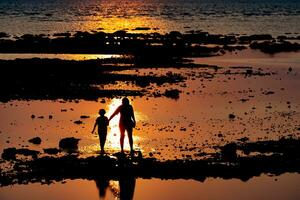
point(125, 101)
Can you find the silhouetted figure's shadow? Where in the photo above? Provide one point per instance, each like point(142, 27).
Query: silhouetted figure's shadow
point(124, 191)
point(127, 186)
point(102, 185)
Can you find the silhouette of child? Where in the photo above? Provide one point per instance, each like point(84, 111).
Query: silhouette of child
point(102, 123)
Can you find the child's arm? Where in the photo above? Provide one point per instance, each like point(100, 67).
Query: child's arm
point(94, 126)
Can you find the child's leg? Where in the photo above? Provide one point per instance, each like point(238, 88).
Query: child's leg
point(102, 141)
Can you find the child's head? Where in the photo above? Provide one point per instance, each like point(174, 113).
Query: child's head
point(101, 112)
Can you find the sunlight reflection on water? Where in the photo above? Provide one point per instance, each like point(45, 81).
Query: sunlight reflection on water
point(113, 135)
point(77, 57)
point(113, 132)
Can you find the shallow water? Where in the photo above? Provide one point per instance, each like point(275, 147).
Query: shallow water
point(276, 17)
point(285, 186)
point(253, 58)
point(170, 128)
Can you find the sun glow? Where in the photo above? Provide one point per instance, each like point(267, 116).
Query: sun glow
point(112, 144)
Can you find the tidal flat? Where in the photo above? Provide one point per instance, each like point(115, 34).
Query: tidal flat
point(200, 120)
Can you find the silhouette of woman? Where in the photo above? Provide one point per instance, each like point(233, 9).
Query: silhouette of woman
point(126, 123)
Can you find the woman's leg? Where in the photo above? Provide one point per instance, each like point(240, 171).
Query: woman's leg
point(129, 133)
point(122, 136)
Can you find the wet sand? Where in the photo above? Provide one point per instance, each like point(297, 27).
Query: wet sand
point(253, 58)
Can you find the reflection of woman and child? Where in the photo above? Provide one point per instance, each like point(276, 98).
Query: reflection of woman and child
point(124, 190)
point(126, 123)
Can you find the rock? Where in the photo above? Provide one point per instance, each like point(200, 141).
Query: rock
point(3, 35)
point(282, 37)
point(51, 151)
point(9, 153)
point(244, 139)
point(70, 143)
point(231, 116)
point(50, 116)
point(268, 92)
point(78, 122)
point(244, 100)
point(229, 151)
point(247, 39)
point(287, 146)
point(84, 117)
point(28, 152)
point(172, 93)
point(261, 37)
point(249, 72)
point(182, 129)
point(35, 140)
point(62, 34)
point(272, 47)
point(142, 29)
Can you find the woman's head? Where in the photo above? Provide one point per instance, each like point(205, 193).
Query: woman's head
point(125, 101)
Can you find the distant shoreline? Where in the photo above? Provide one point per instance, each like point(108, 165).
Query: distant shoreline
point(173, 44)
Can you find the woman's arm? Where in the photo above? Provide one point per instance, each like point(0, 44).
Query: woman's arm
point(106, 121)
point(115, 113)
